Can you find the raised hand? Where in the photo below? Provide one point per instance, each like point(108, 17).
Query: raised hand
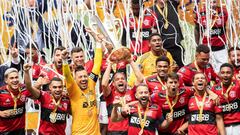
point(27, 67)
point(65, 54)
point(14, 51)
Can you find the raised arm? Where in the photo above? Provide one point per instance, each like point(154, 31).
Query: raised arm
point(68, 75)
point(137, 72)
point(220, 124)
point(105, 81)
point(34, 91)
point(98, 52)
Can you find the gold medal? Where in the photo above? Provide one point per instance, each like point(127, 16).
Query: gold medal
point(53, 114)
point(200, 106)
point(142, 120)
point(52, 117)
point(225, 95)
point(200, 118)
point(229, 107)
point(164, 87)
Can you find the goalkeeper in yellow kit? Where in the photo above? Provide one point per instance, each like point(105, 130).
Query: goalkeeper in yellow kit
point(82, 94)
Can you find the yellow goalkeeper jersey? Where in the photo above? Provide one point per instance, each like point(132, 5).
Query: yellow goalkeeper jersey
point(147, 62)
point(84, 112)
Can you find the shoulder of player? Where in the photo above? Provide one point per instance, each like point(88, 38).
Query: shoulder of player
point(186, 68)
point(217, 87)
point(65, 98)
point(152, 78)
point(161, 95)
point(143, 57)
point(154, 107)
point(183, 90)
point(3, 90)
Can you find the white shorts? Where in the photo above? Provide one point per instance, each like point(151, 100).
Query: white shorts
point(68, 129)
point(103, 114)
point(217, 58)
point(233, 130)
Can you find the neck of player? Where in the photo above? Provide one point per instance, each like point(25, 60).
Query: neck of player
point(200, 92)
point(172, 93)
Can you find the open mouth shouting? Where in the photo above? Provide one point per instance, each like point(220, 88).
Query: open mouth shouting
point(144, 100)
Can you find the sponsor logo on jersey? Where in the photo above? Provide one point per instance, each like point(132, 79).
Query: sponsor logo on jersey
point(146, 22)
point(135, 120)
point(23, 98)
point(232, 94)
point(195, 117)
point(65, 105)
point(229, 107)
point(7, 101)
point(179, 113)
point(181, 100)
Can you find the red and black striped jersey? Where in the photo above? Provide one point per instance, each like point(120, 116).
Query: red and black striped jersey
point(17, 120)
point(231, 105)
point(180, 109)
point(122, 125)
point(154, 118)
point(47, 106)
point(208, 124)
point(217, 27)
point(187, 72)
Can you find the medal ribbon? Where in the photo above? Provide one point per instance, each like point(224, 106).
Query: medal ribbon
point(164, 14)
point(15, 98)
point(200, 106)
point(174, 102)
point(142, 121)
point(56, 104)
point(225, 95)
point(163, 85)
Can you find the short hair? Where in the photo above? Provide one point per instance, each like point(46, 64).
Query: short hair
point(8, 71)
point(79, 68)
point(76, 50)
point(172, 76)
point(162, 58)
point(202, 48)
point(61, 48)
point(119, 73)
point(56, 79)
point(227, 65)
point(154, 34)
point(233, 49)
point(198, 73)
point(32, 45)
point(142, 85)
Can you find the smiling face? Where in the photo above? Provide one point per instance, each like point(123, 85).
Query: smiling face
point(56, 88)
point(226, 75)
point(199, 81)
point(142, 94)
point(162, 68)
point(12, 81)
point(78, 58)
point(81, 77)
point(120, 82)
